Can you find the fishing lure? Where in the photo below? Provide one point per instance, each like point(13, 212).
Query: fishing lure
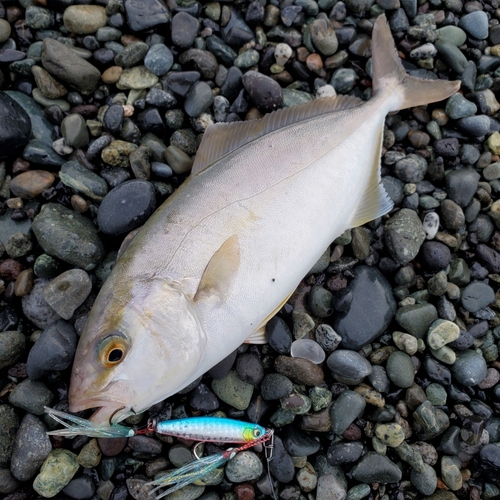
point(202, 429)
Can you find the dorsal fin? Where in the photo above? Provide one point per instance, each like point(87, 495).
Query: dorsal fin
point(223, 138)
point(376, 202)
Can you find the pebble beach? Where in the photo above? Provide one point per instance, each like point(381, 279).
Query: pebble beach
point(102, 109)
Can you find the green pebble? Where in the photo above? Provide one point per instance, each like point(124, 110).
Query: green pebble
point(39, 18)
point(90, 455)
point(442, 332)
point(81, 179)
point(400, 369)
point(56, 472)
point(282, 417)
point(294, 97)
point(450, 472)
point(74, 130)
point(136, 78)
point(320, 301)
point(452, 34)
point(390, 434)
point(437, 394)
point(233, 391)
point(425, 482)
point(46, 266)
point(247, 59)
point(45, 101)
point(320, 397)
point(411, 455)
point(438, 284)
point(416, 319)
point(459, 272)
point(11, 347)
point(358, 492)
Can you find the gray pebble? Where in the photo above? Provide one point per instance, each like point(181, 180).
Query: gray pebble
point(31, 396)
point(31, 447)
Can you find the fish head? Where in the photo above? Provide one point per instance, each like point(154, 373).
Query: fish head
point(141, 343)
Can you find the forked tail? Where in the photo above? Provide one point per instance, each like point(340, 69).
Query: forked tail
point(389, 75)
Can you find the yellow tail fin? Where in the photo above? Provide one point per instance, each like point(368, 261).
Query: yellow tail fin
point(390, 76)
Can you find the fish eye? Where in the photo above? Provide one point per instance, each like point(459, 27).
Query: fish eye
point(256, 432)
point(112, 349)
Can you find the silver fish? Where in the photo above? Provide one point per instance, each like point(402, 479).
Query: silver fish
point(221, 256)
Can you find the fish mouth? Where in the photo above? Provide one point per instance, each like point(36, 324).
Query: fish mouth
point(105, 412)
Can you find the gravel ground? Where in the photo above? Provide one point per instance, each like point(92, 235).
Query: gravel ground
point(108, 102)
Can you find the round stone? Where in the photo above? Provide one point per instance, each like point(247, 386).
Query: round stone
point(81, 179)
point(31, 447)
point(245, 466)
point(5, 30)
point(126, 207)
point(400, 369)
point(390, 434)
point(264, 92)
point(56, 472)
point(442, 332)
point(376, 468)
point(476, 296)
point(159, 59)
point(345, 410)
point(348, 367)
point(75, 131)
point(476, 24)
point(84, 19)
point(275, 386)
point(69, 236)
point(470, 368)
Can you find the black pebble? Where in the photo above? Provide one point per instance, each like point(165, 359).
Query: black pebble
point(126, 207)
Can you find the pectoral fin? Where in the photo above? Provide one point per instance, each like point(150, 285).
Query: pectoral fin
point(221, 271)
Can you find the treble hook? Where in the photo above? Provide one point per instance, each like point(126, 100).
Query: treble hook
point(195, 453)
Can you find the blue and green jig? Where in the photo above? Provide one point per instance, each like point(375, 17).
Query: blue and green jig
point(202, 429)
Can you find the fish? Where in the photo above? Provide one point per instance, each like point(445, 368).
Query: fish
point(223, 254)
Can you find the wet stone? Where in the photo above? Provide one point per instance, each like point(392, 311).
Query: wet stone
point(11, 347)
point(343, 452)
point(66, 65)
point(113, 118)
point(31, 396)
point(250, 369)
point(79, 178)
point(477, 295)
point(281, 466)
point(184, 29)
point(461, 185)
point(8, 483)
point(278, 335)
point(35, 308)
point(469, 369)
point(126, 207)
point(56, 472)
point(28, 185)
point(416, 319)
point(345, 410)
point(404, 235)
point(348, 366)
point(264, 92)
point(457, 106)
point(68, 291)
point(145, 14)
point(233, 391)
point(476, 24)
point(298, 443)
point(159, 59)
point(80, 488)
point(199, 98)
point(275, 386)
point(435, 255)
point(68, 236)
point(132, 55)
point(84, 19)
point(16, 125)
point(376, 468)
point(400, 369)
point(436, 371)
point(53, 351)
point(31, 447)
point(354, 325)
point(299, 370)
point(9, 424)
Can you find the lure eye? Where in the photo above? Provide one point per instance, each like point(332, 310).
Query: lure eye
point(256, 432)
point(112, 350)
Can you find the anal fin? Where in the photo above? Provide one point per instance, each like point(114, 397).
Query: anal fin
point(375, 201)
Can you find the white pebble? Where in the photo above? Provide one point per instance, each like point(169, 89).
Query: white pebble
point(325, 91)
point(431, 225)
point(61, 147)
point(282, 53)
